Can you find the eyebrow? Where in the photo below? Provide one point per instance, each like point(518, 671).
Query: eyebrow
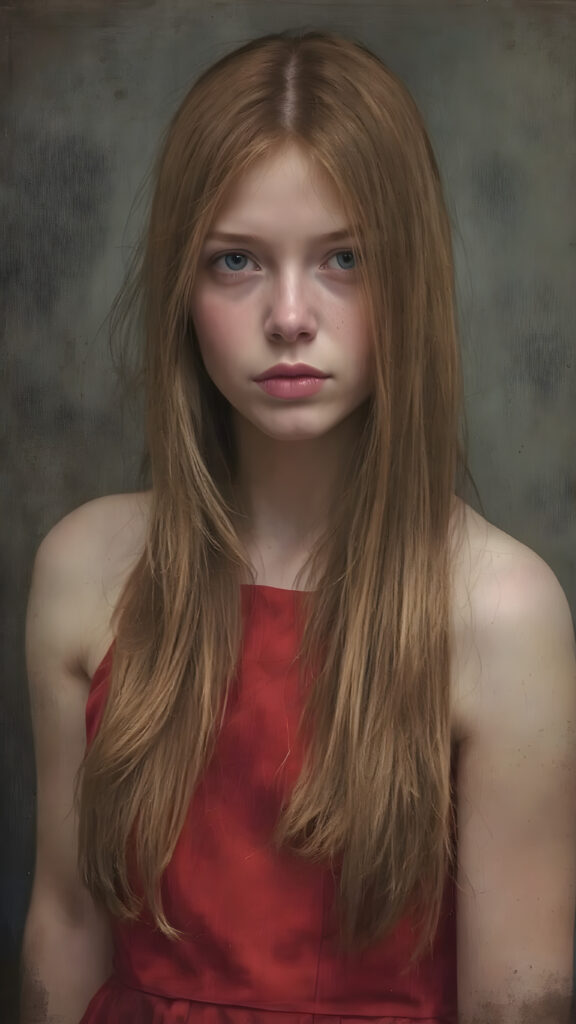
point(236, 239)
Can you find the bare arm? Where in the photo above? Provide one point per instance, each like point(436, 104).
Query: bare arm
point(66, 954)
point(517, 802)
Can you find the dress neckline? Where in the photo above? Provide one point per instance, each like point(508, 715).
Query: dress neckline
point(276, 590)
point(273, 593)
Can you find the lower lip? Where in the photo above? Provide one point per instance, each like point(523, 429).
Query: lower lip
point(291, 387)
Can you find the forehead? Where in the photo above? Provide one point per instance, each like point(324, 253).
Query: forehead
point(284, 184)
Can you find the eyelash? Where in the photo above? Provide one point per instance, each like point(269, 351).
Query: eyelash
point(240, 273)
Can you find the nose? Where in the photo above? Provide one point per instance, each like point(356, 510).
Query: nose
point(290, 315)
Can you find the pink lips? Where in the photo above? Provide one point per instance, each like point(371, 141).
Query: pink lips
point(291, 370)
point(292, 387)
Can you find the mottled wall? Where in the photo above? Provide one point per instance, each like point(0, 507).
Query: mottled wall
point(85, 89)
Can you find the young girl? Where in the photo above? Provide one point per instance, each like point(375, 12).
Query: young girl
point(330, 709)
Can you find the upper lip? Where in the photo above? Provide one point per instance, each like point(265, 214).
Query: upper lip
point(291, 370)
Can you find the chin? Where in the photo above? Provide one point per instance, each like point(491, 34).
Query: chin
point(296, 432)
point(292, 424)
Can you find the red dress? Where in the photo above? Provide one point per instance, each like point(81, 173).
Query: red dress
point(259, 931)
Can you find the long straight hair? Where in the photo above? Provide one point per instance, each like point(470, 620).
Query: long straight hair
point(374, 793)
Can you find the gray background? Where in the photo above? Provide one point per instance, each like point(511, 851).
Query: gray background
point(85, 91)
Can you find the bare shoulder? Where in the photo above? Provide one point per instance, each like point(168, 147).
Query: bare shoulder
point(108, 524)
point(79, 570)
point(493, 569)
point(504, 596)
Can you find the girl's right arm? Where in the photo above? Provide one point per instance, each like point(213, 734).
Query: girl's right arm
point(67, 949)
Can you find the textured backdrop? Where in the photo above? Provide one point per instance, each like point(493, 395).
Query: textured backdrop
point(85, 91)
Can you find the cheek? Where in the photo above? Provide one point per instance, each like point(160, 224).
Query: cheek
point(206, 315)
point(352, 327)
point(212, 326)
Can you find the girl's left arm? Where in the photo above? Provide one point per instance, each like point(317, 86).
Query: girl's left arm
point(517, 801)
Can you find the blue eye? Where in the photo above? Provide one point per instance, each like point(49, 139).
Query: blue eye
point(346, 259)
point(234, 260)
point(235, 263)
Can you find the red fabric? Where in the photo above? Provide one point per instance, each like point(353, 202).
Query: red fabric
point(258, 923)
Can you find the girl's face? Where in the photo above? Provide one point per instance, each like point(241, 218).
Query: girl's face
point(277, 283)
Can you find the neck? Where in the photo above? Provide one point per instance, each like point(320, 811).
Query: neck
point(287, 488)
